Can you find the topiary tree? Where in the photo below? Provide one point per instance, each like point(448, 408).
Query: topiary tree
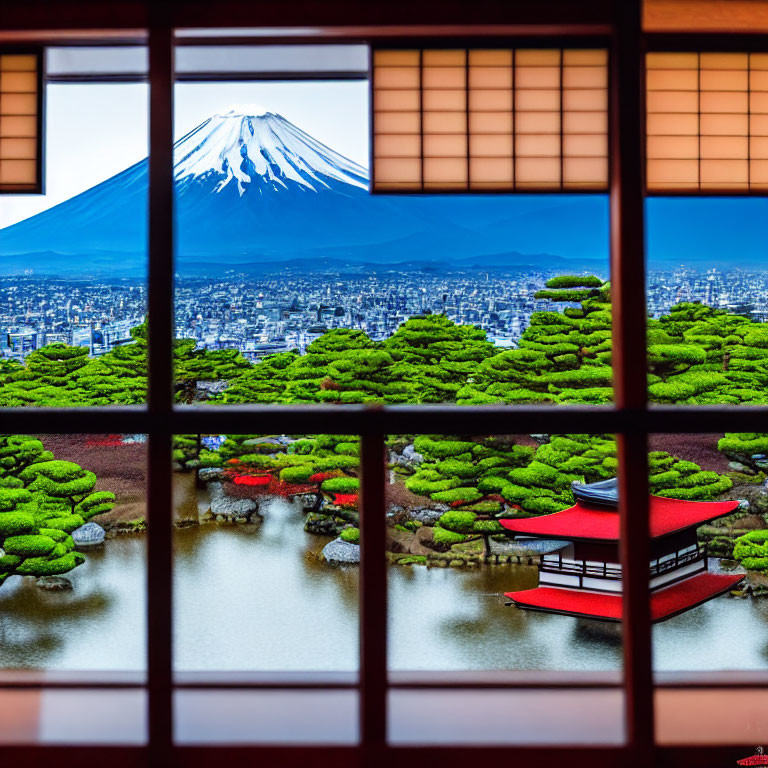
point(26, 547)
point(751, 550)
point(65, 494)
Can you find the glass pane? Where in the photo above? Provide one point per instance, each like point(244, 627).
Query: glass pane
point(266, 717)
point(392, 298)
point(72, 578)
point(482, 555)
point(73, 276)
point(503, 561)
point(52, 717)
point(716, 563)
point(271, 521)
point(706, 297)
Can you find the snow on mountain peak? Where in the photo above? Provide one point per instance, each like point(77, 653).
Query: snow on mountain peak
point(245, 110)
point(250, 146)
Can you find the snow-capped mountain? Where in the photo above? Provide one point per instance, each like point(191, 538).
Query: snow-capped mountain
point(252, 188)
point(251, 146)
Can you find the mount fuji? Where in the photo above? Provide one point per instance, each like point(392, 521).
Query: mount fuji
point(255, 192)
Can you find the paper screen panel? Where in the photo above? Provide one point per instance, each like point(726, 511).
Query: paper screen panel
point(397, 129)
point(585, 119)
point(19, 82)
point(707, 123)
point(490, 119)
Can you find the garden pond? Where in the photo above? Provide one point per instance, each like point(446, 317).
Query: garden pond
point(259, 598)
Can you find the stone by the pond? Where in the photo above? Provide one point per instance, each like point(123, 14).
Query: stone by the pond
point(207, 474)
point(88, 536)
point(340, 551)
point(230, 508)
point(54, 584)
point(426, 515)
point(737, 466)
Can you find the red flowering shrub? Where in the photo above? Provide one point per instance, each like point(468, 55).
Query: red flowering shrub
point(345, 499)
point(321, 477)
point(252, 479)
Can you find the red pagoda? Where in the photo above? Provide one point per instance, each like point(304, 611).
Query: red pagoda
point(584, 578)
point(759, 758)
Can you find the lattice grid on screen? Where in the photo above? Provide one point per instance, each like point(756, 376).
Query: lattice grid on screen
point(490, 119)
point(707, 122)
point(19, 105)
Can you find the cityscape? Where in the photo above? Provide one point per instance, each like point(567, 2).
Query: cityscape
point(289, 309)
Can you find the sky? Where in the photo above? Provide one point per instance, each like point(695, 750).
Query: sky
point(101, 129)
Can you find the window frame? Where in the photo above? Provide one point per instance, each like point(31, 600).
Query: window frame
point(631, 419)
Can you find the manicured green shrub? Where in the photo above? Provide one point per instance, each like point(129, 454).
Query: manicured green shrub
point(486, 527)
point(441, 449)
point(29, 545)
point(352, 535)
point(445, 538)
point(458, 521)
point(341, 485)
point(751, 550)
point(458, 496)
point(298, 474)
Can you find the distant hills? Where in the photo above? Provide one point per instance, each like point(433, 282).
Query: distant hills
point(256, 193)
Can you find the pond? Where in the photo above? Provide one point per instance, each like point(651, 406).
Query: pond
point(258, 598)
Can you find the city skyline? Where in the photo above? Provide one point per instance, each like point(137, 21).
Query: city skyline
point(270, 314)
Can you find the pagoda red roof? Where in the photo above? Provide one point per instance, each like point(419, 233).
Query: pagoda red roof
point(665, 603)
point(582, 521)
point(758, 759)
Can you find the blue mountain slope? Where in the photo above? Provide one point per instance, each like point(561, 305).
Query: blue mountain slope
point(252, 188)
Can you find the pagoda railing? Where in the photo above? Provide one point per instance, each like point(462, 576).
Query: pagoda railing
point(556, 564)
point(551, 564)
point(680, 560)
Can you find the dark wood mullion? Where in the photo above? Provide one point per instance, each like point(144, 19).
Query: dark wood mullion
point(410, 419)
point(160, 388)
point(373, 596)
point(627, 153)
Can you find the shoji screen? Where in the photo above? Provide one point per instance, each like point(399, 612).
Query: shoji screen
point(19, 122)
point(707, 121)
point(490, 119)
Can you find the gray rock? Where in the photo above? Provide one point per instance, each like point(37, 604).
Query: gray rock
point(426, 515)
point(412, 455)
point(2, 552)
point(230, 508)
point(737, 466)
point(54, 584)
point(211, 473)
point(88, 536)
point(339, 551)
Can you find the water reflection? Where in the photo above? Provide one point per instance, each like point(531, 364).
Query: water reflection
point(259, 598)
point(98, 625)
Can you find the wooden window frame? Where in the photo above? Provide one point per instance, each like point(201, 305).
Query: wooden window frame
point(630, 418)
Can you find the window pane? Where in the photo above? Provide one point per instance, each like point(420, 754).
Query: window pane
point(73, 276)
point(459, 509)
point(500, 567)
point(707, 297)
point(55, 717)
point(379, 297)
point(722, 621)
point(72, 585)
point(257, 514)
